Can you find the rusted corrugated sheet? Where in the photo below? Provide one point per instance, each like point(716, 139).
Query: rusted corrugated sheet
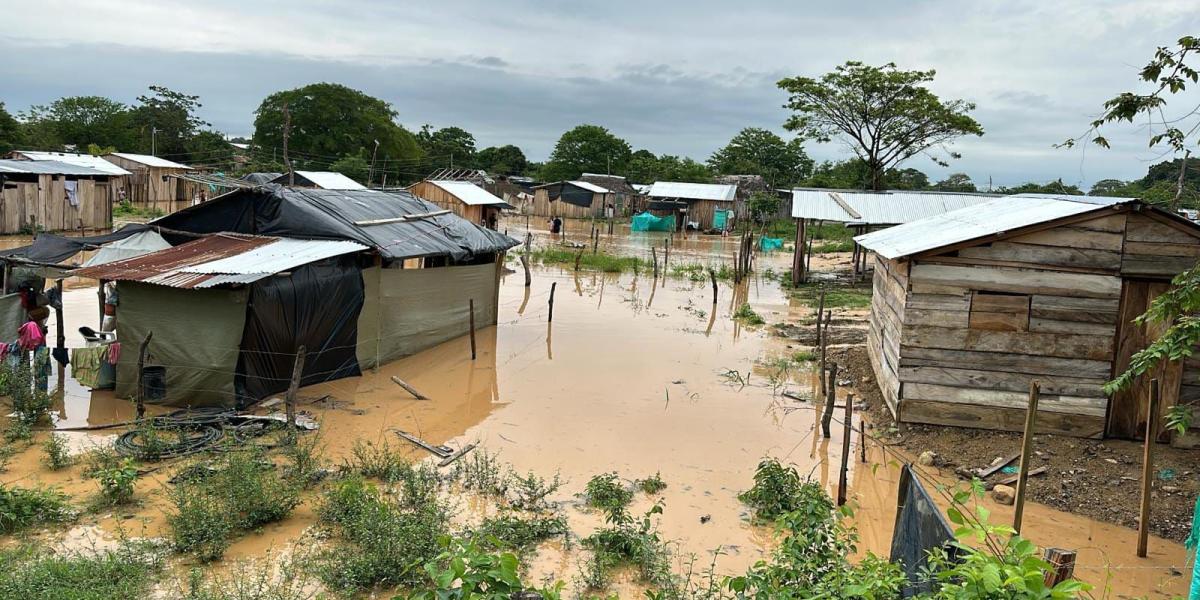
point(164, 267)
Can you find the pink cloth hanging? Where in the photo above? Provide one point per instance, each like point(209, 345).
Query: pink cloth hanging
point(114, 353)
point(30, 336)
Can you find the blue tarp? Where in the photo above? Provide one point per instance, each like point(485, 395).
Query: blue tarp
point(648, 222)
point(767, 244)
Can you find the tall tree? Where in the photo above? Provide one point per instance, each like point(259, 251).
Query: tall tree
point(165, 121)
point(955, 182)
point(1112, 187)
point(885, 114)
point(10, 131)
point(82, 120)
point(502, 160)
point(645, 167)
point(853, 174)
point(1051, 187)
point(586, 149)
point(448, 146)
point(330, 121)
point(756, 151)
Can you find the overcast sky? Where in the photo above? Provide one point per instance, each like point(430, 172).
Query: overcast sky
point(673, 77)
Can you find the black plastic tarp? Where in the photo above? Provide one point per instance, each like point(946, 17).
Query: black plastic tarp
point(317, 307)
point(920, 529)
point(571, 194)
point(365, 216)
point(49, 248)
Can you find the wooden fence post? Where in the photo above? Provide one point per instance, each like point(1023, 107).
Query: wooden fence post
point(550, 317)
point(712, 275)
point(290, 399)
point(471, 308)
point(141, 375)
point(654, 257)
point(798, 254)
point(61, 341)
point(1148, 469)
point(847, 432)
point(862, 441)
point(1026, 455)
point(819, 345)
point(830, 397)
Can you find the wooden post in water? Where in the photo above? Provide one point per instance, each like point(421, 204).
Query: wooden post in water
point(1148, 469)
point(550, 316)
point(712, 275)
point(1063, 563)
point(654, 257)
point(525, 263)
point(290, 399)
point(822, 339)
point(61, 341)
point(666, 255)
point(471, 307)
point(798, 254)
point(847, 431)
point(578, 255)
point(141, 375)
point(1026, 455)
point(862, 441)
point(830, 397)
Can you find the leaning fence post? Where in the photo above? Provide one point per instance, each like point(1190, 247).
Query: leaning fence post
point(1026, 455)
point(471, 308)
point(830, 396)
point(550, 317)
point(290, 400)
point(654, 256)
point(846, 433)
point(712, 275)
point(141, 375)
point(1148, 469)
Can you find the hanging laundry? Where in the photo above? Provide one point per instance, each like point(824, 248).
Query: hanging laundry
point(85, 365)
point(30, 336)
point(60, 355)
point(114, 353)
point(72, 192)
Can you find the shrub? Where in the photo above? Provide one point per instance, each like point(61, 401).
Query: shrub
point(513, 533)
point(116, 481)
point(257, 580)
point(530, 492)
point(464, 570)
point(25, 507)
point(58, 454)
point(200, 524)
point(606, 492)
point(653, 484)
point(482, 472)
point(627, 542)
point(381, 461)
point(124, 573)
point(777, 490)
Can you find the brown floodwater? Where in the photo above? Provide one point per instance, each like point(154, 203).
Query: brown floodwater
point(635, 375)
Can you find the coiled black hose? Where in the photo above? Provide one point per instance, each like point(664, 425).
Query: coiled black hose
point(192, 430)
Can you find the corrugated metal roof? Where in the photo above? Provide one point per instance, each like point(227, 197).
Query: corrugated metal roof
point(326, 180)
point(878, 208)
point(150, 161)
point(47, 167)
point(591, 187)
point(980, 222)
point(469, 193)
point(693, 191)
point(81, 160)
point(219, 259)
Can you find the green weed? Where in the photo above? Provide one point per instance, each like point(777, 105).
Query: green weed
point(58, 454)
point(26, 507)
point(776, 490)
point(465, 570)
point(383, 461)
point(530, 492)
point(124, 573)
point(482, 472)
point(116, 481)
point(629, 542)
point(606, 492)
point(519, 534)
point(257, 580)
point(747, 316)
point(653, 484)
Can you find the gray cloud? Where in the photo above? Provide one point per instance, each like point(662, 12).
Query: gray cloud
point(673, 77)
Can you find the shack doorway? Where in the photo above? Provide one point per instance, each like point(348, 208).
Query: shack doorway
point(1128, 410)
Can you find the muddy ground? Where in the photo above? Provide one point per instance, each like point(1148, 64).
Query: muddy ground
point(1095, 478)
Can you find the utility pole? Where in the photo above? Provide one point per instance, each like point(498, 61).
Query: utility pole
point(371, 174)
point(1179, 183)
point(153, 141)
point(287, 131)
point(608, 165)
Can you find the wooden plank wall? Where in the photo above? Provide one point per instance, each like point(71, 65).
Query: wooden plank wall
point(45, 201)
point(888, 306)
point(953, 373)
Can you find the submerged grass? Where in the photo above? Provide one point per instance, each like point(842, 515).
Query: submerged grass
point(746, 315)
point(519, 534)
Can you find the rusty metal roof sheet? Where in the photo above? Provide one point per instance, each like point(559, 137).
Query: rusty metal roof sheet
point(223, 258)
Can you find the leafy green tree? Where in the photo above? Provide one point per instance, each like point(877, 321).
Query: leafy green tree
point(586, 149)
point(756, 151)
point(165, 122)
point(211, 149)
point(645, 167)
point(503, 160)
point(763, 206)
point(330, 121)
point(1053, 187)
point(447, 146)
point(1110, 187)
point(83, 120)
point(642, 167)
point(885, 114)
point(10, 131)
point(955, 182)
point(355, 166)
point(906, 179)
point(853, 174)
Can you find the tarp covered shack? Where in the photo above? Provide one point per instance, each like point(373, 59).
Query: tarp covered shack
point(357, 277)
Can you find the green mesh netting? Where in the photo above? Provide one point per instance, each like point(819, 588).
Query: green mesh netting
point(648, 222)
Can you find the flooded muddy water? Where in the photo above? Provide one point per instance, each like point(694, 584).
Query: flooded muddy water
point(634, 375)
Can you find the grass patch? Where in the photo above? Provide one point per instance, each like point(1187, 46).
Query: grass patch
point(380, 541)
point(128, 210)
point(57, 453)
point(857, 296)
point(124, 573)
point(828, 247)
point(519, 534)
point(653, 484)
point(804, 356)
point(252, 580)
point(747, 316)
point(606, 492)
point(382, 461)
point(240, 492)
point(21, 508)
point(599, 261)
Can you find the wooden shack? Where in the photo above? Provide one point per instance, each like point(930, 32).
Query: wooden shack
point(49, 195)
point(463, 198)
point(972, 305)
point(570, 199)
point(152, 185)
point(696, 204)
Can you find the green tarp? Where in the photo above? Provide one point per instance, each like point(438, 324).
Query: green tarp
point(12, 317)
point(648, 222)
point(720, 217)
point(767, 244)
point(408, 310)
point(197, 337)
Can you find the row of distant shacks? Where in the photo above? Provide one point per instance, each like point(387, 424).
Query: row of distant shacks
point(64, 191)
